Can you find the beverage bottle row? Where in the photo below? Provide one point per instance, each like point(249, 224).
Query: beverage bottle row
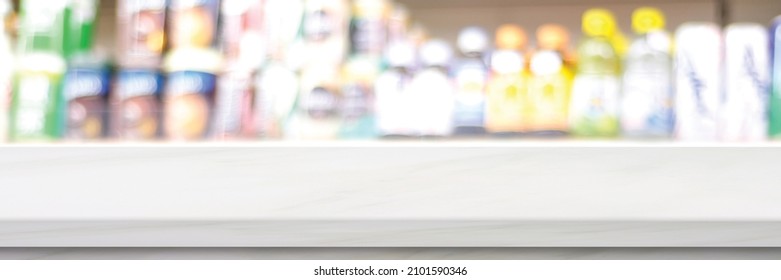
point(339, 69)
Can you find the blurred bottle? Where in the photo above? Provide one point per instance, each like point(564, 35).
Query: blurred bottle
point(80, 27)
point(233, 105)
point(6, 66)
point(282, 26)
point(471, 77)
point(647, 101)
point(744, 111)
point(392, 89)
point(318, 114)
point(37, 104)
point(243, 48)
point(594, 106)
point(194, 24)
point(507, 88)
point(136, 99)
point(418, 35)
point(136, 104)
point(276, 99)
point(189, 102)
point(242, 37)
point(620, 42)
point(369, 27)
point(141, 33)
point(325, 32)
point(87, 86)
point(698, 73)
point(431, 92)
point(551, 83)
point(87, 82)
point(358, 99)
point(775, 101)
point(192, 66)
point(398, 24)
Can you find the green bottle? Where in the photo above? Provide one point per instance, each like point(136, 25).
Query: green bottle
point(594, 105)
point(775, 100)
point(37, 103)
point(79, 28)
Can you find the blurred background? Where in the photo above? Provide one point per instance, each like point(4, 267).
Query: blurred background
point(189, 70)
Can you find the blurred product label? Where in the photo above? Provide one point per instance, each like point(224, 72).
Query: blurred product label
point(594, 105)
point(194, 23)
point(321, 103)
point(36, 108)
point(319, 25)
point(79, 36)
point(233, 105)
point(506, 93)
point(699, 83)
point(744, 111)
point(141, 32)
point(86, 93)
point(189, 98)
point(549, 93)
point(43, 26)
point(369, 27)
point(137, 106)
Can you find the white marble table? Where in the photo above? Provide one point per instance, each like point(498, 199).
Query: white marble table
point(391, 194)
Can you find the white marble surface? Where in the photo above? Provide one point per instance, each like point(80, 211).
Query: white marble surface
point(390, 253)
point(390, 194)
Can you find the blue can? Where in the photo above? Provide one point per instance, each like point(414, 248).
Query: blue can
point(136, 105)
point(86, 92)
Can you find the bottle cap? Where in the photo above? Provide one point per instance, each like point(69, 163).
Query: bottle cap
point(552, 37)
point(401, 54)
point(546, 63)
point(436, 52)
point(507, 62)
point(647, 19)
point(599, 22)
point(511, 37)
point(473, 40)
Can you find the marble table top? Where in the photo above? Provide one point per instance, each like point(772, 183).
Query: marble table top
point(397, 194)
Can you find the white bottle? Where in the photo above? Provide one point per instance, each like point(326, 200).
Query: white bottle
point(282, 23)
point(471, 78)
point(431, 104)
point(392, 91)
point(744, 111)
point(325, 30)
point(647, 93)
point(698, 90)
point(317, 114)
point(276, 93)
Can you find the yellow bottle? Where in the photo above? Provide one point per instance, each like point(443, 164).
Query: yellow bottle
point(550, 83)
point(507, 86)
